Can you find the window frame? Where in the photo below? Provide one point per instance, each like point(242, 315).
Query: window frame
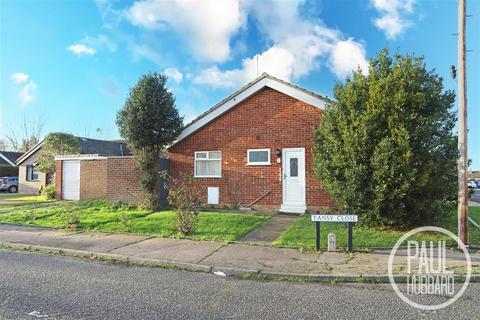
point(195, 159)
point(265, 163)
point(29, 176)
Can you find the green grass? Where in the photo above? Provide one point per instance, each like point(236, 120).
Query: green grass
point(97, 215)
point(20, 197)
point(301, 234)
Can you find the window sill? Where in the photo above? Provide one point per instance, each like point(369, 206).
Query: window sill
point(208, 177)
point(260, 164)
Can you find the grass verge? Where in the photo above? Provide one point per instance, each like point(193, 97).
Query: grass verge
point(100, 216)
point(301, 234)
point(19, 197)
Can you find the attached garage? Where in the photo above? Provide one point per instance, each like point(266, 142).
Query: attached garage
point(71, 180)
point(115, 178)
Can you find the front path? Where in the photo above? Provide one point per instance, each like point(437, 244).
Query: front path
point(270, 230)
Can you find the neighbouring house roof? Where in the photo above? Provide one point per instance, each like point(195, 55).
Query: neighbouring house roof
point(103, 147)
point(473, 174)
point(9, 157)
point(265, 80)
point(89, 146)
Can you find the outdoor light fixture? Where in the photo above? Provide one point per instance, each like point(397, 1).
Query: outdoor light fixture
point(279, 155)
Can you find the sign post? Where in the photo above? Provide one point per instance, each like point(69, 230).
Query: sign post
point(350, 219)
point(350, 236)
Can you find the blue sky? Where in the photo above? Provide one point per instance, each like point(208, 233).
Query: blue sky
point(71, 63)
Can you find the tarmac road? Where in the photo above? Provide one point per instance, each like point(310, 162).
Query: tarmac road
point(38, 286)
point(476, 196)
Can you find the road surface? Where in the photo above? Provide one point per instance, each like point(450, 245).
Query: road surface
point(37, 286)
point(476, 196)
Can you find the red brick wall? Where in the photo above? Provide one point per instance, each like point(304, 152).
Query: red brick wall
point(112, 179)
point(93, 179)
point(58, 179)
point(123, 180)
point(268, 119)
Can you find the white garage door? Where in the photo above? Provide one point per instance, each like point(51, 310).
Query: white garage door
point(71, 180)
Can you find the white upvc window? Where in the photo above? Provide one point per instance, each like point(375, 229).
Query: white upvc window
point(258, 157)
point(208, 164)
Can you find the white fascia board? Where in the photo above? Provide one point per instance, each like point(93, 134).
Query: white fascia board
point(296, 93)
point(266, 82)
point(80, 157)
point(27, 154)
point(7, 160)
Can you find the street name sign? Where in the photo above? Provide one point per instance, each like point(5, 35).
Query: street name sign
point(351, 219)
point(334, 218)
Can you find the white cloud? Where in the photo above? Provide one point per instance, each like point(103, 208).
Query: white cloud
point(80, 49)
point(392, 19)
point(217, 78)
point(144, 51)
point(189, 112)
point(99, 42)
point(90, 45)
point(111, 17)
point(27, 92)
point(19, 77)
point(208, 24)
point(298, 47)
point(275, 61)
point(174, 74)
point(346, 56)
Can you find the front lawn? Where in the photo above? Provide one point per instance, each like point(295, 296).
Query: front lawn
point(22, 197)
point(301, 234)
point(97, 215)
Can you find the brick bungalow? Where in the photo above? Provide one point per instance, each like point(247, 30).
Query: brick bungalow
point(255, 149)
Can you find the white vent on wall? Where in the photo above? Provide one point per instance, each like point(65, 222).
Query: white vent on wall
point(213, 195)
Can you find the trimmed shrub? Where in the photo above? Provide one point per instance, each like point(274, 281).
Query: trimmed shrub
point(186, 201)
point(387, 150)
point(48, 192)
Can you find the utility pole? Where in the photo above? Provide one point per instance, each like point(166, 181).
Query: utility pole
point(462, 127)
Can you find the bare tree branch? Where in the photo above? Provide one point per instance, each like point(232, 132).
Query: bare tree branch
point(32, 133)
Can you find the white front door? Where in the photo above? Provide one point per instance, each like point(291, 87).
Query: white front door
point(293, 169)
point(71, 180)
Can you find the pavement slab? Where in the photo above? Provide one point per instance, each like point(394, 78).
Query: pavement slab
point(29, 235)
point(87, 241)
point(100, 242)
point(217, 255)
point(273, 259)
point(376, 262)
point(473, 204)
point(170, 249)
